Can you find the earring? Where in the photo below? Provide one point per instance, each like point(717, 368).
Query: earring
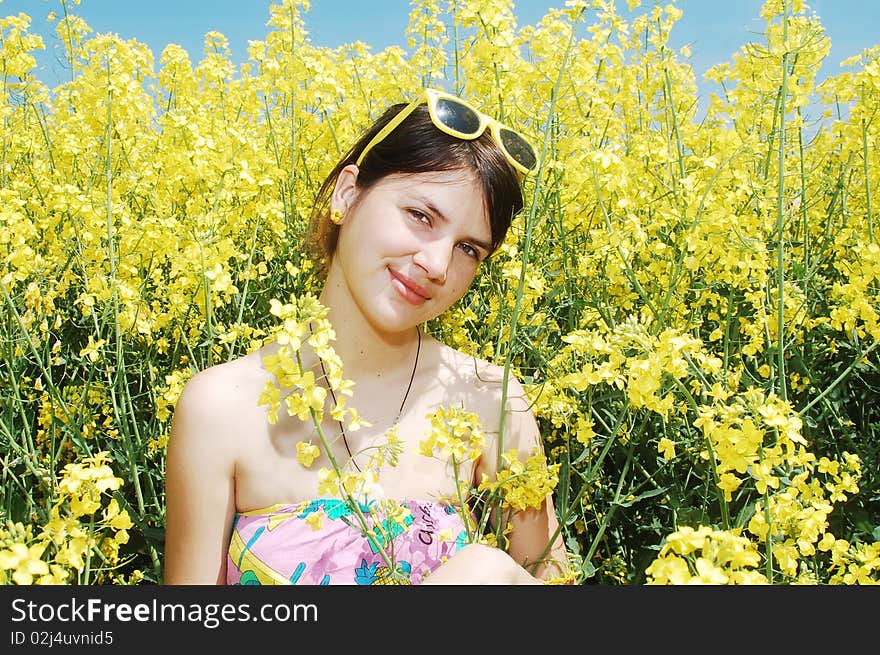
point(336, 216)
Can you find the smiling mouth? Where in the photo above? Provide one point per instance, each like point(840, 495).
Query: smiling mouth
point(411, 291)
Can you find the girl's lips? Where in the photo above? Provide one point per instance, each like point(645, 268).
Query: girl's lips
point(412, 292)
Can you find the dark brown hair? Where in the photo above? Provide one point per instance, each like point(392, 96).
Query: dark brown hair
point(417, 146)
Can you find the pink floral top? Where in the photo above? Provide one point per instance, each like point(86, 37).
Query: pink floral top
point(278, 545)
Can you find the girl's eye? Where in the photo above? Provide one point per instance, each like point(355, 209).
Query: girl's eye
point(419, 216)
point(470, 251)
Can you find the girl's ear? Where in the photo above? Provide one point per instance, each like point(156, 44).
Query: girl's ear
point(345, 191)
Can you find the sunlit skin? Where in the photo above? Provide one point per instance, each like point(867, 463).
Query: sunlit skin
point(408, 249)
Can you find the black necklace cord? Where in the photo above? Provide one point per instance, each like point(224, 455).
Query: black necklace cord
point(402, 404)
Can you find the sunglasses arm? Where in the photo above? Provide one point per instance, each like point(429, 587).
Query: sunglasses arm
point(389, 128)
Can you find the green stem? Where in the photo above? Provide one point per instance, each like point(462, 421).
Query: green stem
point(456, 56)
point(865, 153)
point(244, 291)
point(46, 371)
point(768, 518)
point(606, 520)
point(805, 221)
point(781, 385)
point(630, 274)
point(840, 378)
point(462, 503)
point(722, 501)
point(526, 251)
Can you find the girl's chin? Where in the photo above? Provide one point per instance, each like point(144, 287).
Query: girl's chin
point(396, 316)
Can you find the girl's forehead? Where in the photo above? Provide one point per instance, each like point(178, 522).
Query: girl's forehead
point(435, 179)
point(449, 192)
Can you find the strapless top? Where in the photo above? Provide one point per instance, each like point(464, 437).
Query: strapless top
point(320, 542)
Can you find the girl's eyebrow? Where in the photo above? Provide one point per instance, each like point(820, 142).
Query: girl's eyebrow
point(431, 207)
point(480, 244)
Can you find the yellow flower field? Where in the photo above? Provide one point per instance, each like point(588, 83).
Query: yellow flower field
point(693, 302)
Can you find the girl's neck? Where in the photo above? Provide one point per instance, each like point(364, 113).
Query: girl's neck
point(366, 351)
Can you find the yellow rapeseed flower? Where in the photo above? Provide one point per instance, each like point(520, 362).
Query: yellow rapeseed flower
point(306, 453)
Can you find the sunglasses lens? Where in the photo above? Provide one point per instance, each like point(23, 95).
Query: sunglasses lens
point(457, 117)
point(518, 148)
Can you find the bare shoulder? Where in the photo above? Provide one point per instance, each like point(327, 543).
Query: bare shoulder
point(217, 399)
point(221, 383)
point(486, 376)
point(484, 383)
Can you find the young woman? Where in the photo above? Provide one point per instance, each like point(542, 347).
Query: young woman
point(403, 222)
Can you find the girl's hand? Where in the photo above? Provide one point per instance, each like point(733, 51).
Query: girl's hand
point(477, 564)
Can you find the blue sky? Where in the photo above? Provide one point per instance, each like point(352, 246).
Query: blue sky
point(714, 29)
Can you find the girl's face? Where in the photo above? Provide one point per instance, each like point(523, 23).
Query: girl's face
point(410, 245)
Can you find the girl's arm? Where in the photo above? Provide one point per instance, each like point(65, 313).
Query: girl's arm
point(478, 564)
point(535, 541)
point(199, 487)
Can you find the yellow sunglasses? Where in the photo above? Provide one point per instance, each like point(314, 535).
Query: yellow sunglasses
point(455, 117)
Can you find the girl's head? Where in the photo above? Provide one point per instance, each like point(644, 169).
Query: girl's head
point(415, 146)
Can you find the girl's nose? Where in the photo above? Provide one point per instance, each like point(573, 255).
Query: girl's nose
point(434, 258)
